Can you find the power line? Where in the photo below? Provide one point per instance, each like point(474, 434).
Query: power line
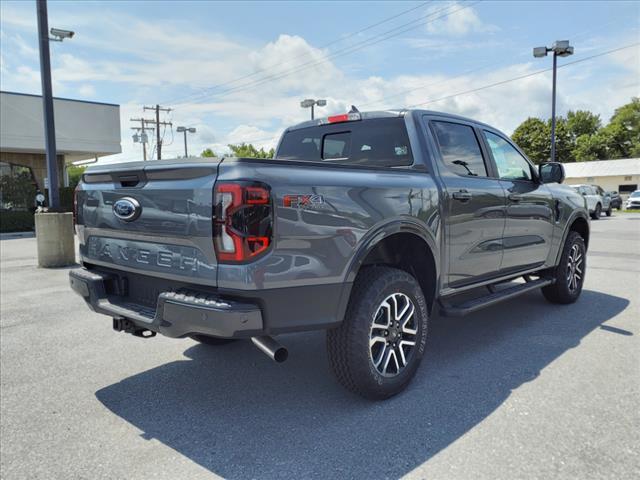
point(394, 32)
point(495, 84)
point(521, 77)
point(326, 45)
point(474, 70)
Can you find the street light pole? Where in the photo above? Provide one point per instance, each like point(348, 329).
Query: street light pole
point(47, 105)
point(186, 154)
point(553, 109)
point(185, 130)
point(311, 103)
point(560, 48)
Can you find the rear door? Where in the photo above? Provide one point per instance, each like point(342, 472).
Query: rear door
point(529, 206)
point(153, 218)
point(473, 202)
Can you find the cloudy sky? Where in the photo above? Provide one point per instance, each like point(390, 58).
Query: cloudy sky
point(237, 71)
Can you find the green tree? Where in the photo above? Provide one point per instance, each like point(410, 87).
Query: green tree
point(565, 140)
point(75, 174)
point(532, 136)
point(590, 147)
point(581, 136)
point(622, 133)
point(17, 191)
point(208, 153)
point(248, 150)
point(582, 122)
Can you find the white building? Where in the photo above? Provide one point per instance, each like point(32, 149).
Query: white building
point(612, 175)
point(84, 130)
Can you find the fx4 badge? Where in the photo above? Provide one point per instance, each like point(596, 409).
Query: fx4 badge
point(303, 201)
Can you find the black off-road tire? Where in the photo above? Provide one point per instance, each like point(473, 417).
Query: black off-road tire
point(609, 211)
point(597, 212)
point(560, 291)
point(348, 346)
point(213, 341)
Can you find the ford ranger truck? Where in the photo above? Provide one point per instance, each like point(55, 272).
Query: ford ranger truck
point(363, 225)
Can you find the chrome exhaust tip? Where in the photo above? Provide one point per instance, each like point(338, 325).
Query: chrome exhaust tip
point(271, 348)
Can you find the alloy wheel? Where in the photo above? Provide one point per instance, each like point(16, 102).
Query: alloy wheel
point(574, 268)
point(393, 334)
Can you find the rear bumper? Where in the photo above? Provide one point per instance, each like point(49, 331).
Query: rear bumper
point(177, 314)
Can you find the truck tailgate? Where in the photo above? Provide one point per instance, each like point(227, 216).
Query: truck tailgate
point(153, 218)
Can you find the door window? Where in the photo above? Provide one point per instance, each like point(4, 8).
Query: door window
point(460, 149)
point(511, 165)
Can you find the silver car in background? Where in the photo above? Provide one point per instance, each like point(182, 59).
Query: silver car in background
point(595, 201)
point(633, 201)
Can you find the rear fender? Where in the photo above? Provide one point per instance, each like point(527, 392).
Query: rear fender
point(369, 243)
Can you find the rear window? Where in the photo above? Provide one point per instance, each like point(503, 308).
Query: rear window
point(378, 142)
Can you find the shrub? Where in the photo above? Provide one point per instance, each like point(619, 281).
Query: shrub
point(16, 221)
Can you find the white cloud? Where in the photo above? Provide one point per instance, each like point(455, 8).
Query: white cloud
point(137, 59)
point(462, 22)
point(87, 90)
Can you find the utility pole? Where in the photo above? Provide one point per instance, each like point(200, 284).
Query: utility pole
point(159, 109)
point(47, 105)
point(143, 136)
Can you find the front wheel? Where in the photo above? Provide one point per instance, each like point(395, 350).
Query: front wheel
point(569, 273)
point(377, 349)
point(609, 211)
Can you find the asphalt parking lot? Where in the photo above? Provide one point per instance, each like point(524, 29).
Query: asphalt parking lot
point(525, 389)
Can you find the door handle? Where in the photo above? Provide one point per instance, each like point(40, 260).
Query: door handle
point(462, 195)
point(514, 197)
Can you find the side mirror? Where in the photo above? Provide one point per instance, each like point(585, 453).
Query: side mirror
point(551, 172)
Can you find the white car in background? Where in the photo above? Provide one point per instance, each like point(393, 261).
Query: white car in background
point(595, 201)
point(633, 201)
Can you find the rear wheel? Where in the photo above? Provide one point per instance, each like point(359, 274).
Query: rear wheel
point(570, 272)
point(377, 349)
point(207, 340)
point(609, 211)
point(597, 212)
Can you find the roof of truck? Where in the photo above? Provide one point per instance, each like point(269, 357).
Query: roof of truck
point(394, 112)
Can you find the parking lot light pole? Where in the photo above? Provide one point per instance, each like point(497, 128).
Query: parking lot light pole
point(310, 102)
point(47, 105)
point(54, 229)
point(185, 130)
point(560, 48)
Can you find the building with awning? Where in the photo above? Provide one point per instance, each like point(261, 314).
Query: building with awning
point(84, 131)
point(621, 176)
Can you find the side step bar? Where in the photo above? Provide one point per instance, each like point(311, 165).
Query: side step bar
point(471, 306)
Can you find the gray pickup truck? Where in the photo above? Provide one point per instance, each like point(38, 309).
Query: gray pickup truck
point(363, 225)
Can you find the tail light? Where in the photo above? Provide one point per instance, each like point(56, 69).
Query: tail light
point(242, 222)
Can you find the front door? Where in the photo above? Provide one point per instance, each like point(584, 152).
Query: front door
point(474, 203)
point(530, 207)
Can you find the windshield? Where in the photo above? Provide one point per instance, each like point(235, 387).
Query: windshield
point(378, 142)
point(636, 194)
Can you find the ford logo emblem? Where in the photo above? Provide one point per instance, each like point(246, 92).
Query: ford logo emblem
point(127, 209)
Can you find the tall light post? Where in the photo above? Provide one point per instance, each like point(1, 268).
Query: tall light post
point(185, 130)
point(560, 48)
point(54, 229)
point(47, 98)
point(310, 102)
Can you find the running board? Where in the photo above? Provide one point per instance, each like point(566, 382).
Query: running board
point(471, 306)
